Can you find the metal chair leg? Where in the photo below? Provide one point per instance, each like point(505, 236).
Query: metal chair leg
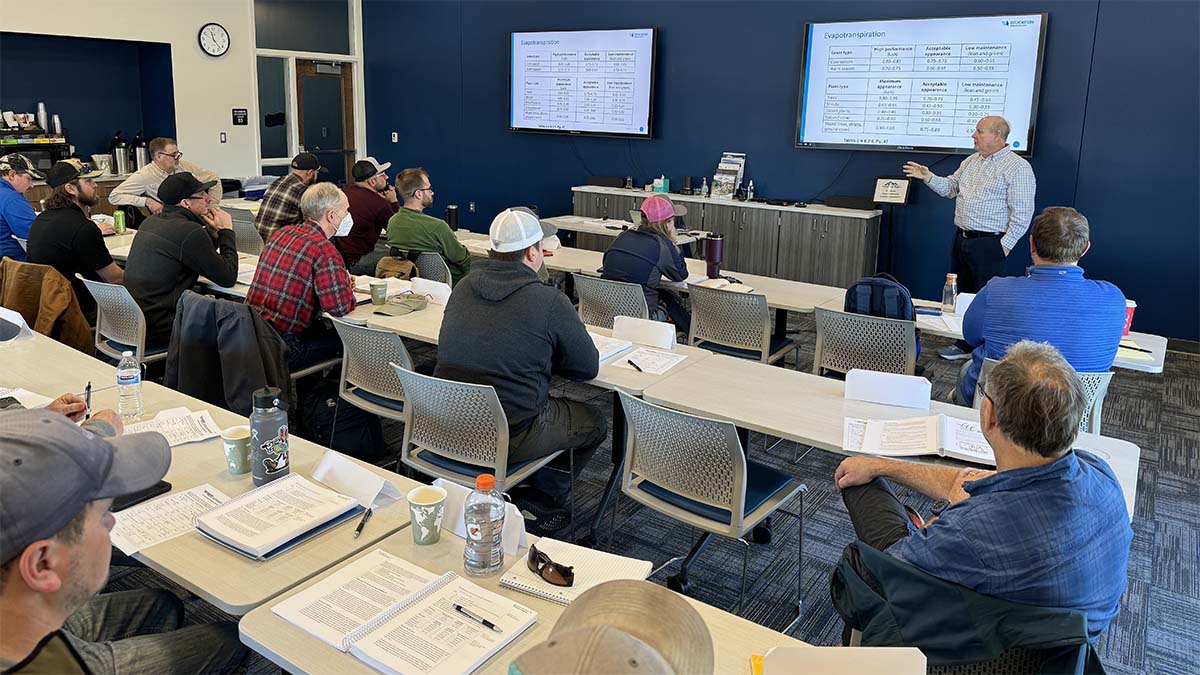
point(799, 516)
point(572, 490)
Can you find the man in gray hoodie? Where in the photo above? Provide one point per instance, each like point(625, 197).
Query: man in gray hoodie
point(504, 328)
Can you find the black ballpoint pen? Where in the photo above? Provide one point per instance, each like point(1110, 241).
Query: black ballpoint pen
point(635, 366)
point(366, 516)
point(476, 618)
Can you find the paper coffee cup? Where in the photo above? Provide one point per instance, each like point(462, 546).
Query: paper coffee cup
point(1130, 307)
point(237, 449)
point(378, 292)
point(426, 509)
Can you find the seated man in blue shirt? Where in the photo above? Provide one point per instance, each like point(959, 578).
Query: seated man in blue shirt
point(16, 213)
point(1047, 528)
point(1052, 303)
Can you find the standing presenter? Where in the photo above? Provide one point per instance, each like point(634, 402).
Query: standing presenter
point(994, 189)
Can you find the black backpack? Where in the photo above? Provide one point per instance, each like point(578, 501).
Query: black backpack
point(883, 296)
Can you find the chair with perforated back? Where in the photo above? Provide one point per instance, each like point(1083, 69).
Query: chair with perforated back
point(433, 267)
point(1095, 385)
point(600, 300)
point(693, 470)
point(457, 431)
point(367, 381)
point(735, 324)
point(246, 235)
point(120, 324)
point(846, 341)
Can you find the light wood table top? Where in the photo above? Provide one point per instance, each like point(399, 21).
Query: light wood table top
point(425, 326)
point(809, 409)
point(297, 652)
point(230, 581)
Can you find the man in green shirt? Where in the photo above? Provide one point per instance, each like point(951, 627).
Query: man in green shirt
point(412, 230)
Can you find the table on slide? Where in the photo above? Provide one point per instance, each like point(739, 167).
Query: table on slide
point(227, 580)
point(810, 409)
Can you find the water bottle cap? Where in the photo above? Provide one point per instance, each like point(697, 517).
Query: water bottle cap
point(267, 397)
point(485, 482)
point(123, 354)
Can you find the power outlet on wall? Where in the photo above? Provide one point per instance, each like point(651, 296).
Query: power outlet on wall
point(395, 137)
point(224, 138)
point(471, 207)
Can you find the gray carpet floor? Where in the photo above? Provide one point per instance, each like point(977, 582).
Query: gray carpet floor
point(1157, 630)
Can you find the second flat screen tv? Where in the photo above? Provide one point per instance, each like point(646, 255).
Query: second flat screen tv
point(595, 82)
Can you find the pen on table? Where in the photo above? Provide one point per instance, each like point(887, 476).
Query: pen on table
point(476, 618)
point(87, 399)
point(1138, 349)
point(635, 366)
point(366, 516)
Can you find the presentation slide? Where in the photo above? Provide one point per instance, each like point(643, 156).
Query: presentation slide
point(589, 82)
point(919, 84)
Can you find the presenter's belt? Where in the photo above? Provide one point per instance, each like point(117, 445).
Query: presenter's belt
point(971, 234)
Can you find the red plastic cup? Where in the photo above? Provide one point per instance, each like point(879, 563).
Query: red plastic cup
point(1130, 307)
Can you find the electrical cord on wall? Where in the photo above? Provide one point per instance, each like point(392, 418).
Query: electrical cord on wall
point(817, 196)
point(579, 156)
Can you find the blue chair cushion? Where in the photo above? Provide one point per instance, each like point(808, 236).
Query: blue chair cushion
point(464, 468)
point(762, 483)
point(152, 348)
point(382, 401)
point(777, 343)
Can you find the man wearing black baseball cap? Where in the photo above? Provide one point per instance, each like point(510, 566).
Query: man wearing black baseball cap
point(55, 551)
point(281, 202)
point(64, 238)
point(16, 214)
point(372, 203)
point(174, 248)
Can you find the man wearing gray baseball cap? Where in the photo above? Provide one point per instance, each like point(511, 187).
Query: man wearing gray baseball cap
point(57, 482)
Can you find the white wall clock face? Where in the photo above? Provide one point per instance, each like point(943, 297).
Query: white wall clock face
point(214, 39)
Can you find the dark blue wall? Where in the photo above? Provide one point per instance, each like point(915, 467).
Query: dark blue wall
point(1115, 142)
point(95, 86)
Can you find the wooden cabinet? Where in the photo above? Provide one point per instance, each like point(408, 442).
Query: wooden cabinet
point(819, 245)
point(104, 186)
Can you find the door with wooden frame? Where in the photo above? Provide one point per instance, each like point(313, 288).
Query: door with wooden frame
point(325, 111)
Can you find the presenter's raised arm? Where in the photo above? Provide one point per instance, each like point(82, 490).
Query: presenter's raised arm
point(914, 170)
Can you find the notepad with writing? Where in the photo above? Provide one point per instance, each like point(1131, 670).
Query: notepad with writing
point(934, 435)
point(270, 519)
point(592, 567)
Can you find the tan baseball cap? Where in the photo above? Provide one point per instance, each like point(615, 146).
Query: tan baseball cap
point(624, 627)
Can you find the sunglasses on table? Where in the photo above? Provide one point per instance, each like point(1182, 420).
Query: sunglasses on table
point(550, 571)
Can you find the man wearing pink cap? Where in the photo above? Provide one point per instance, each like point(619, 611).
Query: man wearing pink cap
point(646, 254)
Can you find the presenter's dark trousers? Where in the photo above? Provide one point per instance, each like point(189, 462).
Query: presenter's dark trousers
point(975, 257)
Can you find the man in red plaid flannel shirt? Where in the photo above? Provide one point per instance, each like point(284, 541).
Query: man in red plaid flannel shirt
point(300, 275)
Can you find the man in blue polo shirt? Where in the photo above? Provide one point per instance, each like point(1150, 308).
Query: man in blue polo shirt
point(16, 214)
point(1052, 303)
point(1047, 528)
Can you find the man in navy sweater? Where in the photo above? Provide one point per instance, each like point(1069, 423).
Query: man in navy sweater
point(1052, 303)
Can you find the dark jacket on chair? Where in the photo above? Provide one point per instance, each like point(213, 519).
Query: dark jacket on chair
point(47, 302)
point(899, 605)
point(221, 351)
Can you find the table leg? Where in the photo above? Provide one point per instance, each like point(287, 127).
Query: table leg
point(618, 455)
point(781, 321)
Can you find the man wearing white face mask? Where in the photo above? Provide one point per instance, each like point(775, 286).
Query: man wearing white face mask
point(300, 275)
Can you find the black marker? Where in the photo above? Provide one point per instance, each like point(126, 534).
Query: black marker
point(635, 366)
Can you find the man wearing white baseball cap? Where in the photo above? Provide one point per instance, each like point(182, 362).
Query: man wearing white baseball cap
point(55, 551)
point(505, 328)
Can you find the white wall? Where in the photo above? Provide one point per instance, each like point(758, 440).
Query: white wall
point(206, 88)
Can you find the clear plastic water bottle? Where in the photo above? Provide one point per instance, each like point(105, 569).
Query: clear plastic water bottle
point(129, 387)
point(704, 188)
point(750, 191)
point(950, 294)
point(484, 516)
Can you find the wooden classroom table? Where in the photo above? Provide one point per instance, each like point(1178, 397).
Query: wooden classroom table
point(230, 581)
point(297, 652)
point(809, 409)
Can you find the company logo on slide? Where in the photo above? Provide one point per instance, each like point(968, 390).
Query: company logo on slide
point(1013, 23)
point(640, 34)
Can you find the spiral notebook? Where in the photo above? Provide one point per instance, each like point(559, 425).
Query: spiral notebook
point(401, 619)
point(592, 567)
